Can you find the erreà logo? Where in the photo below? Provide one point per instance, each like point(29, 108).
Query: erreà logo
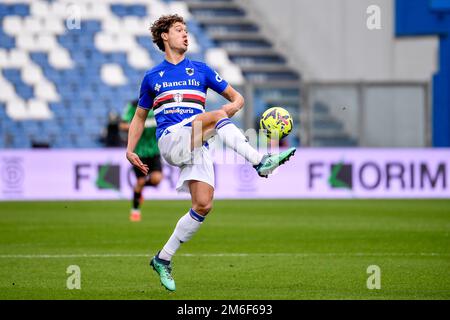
point(108, 176)
point(341, 176)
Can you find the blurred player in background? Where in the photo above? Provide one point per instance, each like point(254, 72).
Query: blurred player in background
point(176, 91)
point(147, 149)
point(110, 136)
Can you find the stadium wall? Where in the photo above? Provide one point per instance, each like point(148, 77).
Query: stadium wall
point(329, 40)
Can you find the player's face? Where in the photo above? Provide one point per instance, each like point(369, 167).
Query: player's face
point(178, 37)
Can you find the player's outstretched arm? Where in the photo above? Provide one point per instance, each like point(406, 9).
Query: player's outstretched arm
point(134, 134)
point(236, 101)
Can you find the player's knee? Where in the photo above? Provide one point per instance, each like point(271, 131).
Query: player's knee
point(156, 178)
point(203, 207)
point(140, 183)
point(219, 114)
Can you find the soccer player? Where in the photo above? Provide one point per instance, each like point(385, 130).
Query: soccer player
point(148, 151)
point(176, 90)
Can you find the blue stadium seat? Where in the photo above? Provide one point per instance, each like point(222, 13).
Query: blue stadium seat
point(12, 75)
point(52, 128)
point(4, 10)
point(20, 10)
point(24, 91)
point(91, 26)
point(21, 142)
point(7, 41)
point(40, 58)
point(129, 10)
point(31, 127)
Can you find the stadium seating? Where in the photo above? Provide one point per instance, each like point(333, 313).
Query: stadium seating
point(60, 76)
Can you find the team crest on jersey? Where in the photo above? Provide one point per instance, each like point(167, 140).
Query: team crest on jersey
point(178, 97)
point(190, 71)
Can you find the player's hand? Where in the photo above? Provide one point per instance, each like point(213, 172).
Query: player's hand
point(135, 161)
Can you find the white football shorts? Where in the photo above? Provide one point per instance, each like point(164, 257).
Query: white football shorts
point(175, 148)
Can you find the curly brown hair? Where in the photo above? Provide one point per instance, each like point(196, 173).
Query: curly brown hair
point(163, 25)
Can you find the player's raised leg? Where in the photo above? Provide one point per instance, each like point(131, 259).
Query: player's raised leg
point(217, 121)
point(202, 197)
point(208, 123)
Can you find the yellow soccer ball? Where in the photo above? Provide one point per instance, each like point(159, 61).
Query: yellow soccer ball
point(277, 123)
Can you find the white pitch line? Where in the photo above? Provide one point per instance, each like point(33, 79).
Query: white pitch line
point(272, 254)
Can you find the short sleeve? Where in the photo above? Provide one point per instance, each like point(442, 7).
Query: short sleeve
point(145, 94)
point(214, 81)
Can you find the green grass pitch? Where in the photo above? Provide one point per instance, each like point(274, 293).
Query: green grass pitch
point(258, 249)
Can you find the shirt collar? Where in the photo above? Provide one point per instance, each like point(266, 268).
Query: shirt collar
point(175, 65)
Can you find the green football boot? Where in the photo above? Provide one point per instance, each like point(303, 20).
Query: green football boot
point(164, 269)
point(271, 162)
